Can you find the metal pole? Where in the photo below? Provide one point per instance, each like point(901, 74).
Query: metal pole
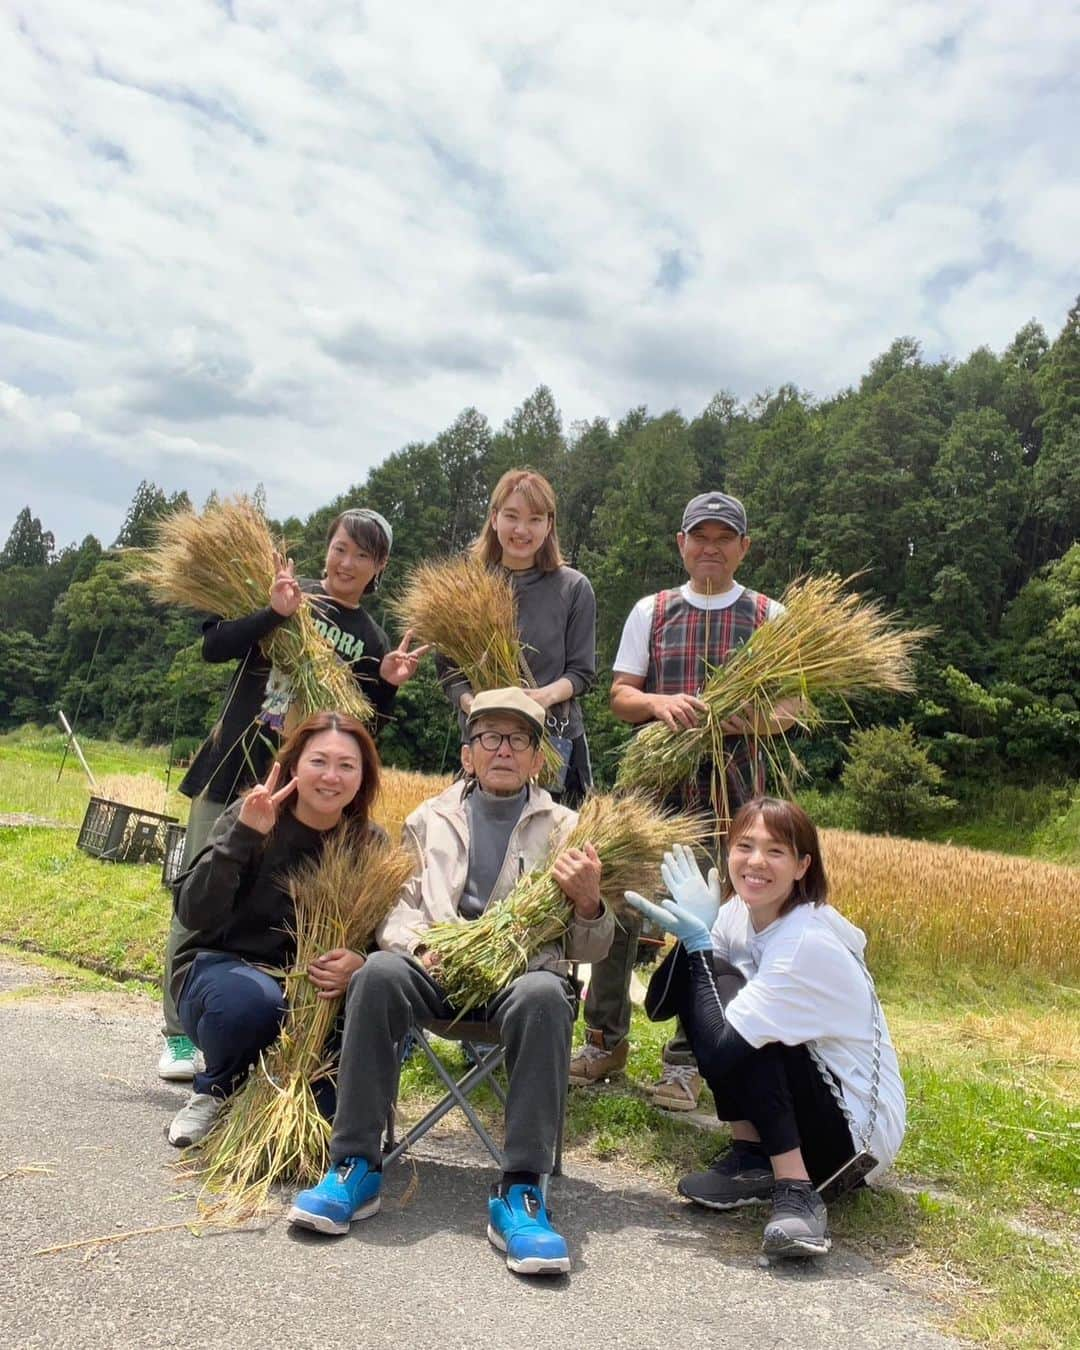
point(77, 748)
point(78, 706)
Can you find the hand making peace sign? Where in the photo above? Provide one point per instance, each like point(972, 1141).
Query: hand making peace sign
point(399, 665)
point(285, 593)
point(260, 807)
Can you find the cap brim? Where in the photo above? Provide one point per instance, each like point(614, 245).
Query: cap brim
point(537, 727)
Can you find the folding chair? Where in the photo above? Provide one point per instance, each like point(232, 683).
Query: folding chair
point(481, 1041)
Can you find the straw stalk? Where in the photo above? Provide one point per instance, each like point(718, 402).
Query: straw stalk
point(223, 562)
point(629, 833)
point(468, 612)
point(273, 1130)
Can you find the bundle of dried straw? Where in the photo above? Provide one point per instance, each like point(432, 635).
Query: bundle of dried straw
point(629, 833)
point(828, 641)
point(272, 1130)
point(467, 611)
point(223, 562)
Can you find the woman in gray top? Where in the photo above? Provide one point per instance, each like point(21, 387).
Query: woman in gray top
point(556, 611)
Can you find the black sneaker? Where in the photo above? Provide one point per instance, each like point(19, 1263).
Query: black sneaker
point(799, 1222)
point(740, 1176)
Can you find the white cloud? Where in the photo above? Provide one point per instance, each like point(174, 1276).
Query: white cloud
point(279, 247)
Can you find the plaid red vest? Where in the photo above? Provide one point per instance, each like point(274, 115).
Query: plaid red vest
point(682, 640)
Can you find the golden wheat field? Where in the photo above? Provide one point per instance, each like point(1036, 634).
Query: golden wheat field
point(933, 903)
point(141, 790)
point(402, 792)
point(949, 905)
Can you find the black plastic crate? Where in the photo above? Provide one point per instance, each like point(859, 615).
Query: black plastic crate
point(118, 833)
point(174, 853)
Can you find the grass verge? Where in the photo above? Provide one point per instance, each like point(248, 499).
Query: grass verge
point(60, 978)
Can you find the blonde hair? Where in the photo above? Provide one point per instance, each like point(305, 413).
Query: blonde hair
point(540, 496)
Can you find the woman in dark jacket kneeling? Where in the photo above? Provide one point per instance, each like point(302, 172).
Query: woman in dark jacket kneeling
point(235, 900)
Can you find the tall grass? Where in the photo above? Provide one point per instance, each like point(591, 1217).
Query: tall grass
point(401, 792)
point(30, 761)
point(937, 905)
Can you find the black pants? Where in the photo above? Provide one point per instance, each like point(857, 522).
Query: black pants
point(779, 1089)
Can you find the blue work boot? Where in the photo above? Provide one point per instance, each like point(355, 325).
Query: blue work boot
point(350, 1190)
point(518, 1225)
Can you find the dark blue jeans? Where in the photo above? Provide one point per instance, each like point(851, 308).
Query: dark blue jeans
point(232, 1012)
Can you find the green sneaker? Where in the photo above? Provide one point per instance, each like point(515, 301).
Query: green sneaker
point(179, 1060)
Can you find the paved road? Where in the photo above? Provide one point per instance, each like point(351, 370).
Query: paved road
point(80, 1096)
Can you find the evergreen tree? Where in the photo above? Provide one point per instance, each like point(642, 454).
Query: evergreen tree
point(148, 504)
point(1020, 401)
point(709, 436)
point(28, 545)
point(463, 452)
point(975, 502)
point(1056, 486)
point(532, 437)
point(591, 460)
point(640, 515)
point(779, 480)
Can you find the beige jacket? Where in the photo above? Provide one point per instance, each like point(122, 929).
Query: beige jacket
point(437, 833)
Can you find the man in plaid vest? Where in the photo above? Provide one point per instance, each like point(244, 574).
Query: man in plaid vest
point(667, 643)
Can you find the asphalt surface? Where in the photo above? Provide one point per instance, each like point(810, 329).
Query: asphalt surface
point(80, 1098)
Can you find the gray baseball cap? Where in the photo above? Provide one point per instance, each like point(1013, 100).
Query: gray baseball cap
point(716, 506)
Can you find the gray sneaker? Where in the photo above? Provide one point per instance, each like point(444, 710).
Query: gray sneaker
point(739, 1176)
point(799, 1222)
point(195, 1119)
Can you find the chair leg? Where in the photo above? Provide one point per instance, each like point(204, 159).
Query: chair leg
point(556, 1167)
point(457, 1094)
point(389, 1141)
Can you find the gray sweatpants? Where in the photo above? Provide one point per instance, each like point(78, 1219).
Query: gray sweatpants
point(202, 815)
point(391, 993)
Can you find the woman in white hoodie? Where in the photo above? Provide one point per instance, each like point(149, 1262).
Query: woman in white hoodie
point(771, 984)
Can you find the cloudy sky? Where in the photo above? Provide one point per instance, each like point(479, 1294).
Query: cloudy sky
point(247, 240)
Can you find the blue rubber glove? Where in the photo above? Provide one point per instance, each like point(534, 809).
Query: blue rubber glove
point(688, 888)
point(688, 928)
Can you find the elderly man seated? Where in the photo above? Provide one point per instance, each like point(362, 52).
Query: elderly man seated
point(471, 842)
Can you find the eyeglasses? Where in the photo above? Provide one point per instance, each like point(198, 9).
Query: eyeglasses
point(492, 740)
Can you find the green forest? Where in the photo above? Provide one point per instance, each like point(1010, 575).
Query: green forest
point(951, 488)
